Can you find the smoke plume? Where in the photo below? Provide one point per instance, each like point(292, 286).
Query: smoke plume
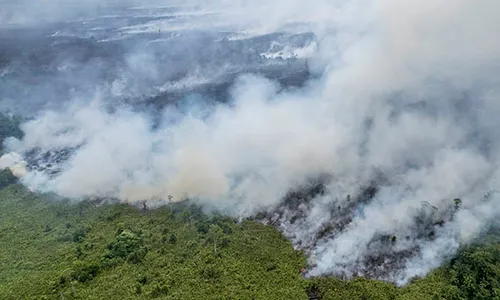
point(381, 163)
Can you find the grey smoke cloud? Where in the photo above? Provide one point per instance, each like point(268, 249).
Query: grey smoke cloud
point(407, 96)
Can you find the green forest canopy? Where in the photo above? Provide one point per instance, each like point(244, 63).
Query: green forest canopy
point(56, 250)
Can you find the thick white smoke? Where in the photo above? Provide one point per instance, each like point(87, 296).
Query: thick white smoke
point(408, 99)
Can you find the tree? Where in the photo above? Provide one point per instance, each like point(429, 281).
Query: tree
point(215, 234)
point(6, 178)
point(128, 245)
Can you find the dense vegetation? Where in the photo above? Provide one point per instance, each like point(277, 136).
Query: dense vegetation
point(82, 251)
point(61, 250)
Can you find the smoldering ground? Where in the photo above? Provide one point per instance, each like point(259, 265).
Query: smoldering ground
point(382, 164)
